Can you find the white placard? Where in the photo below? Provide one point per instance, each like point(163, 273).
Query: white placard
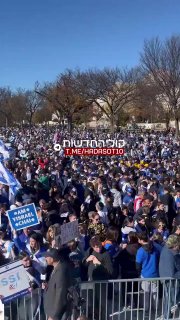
point(13, 281)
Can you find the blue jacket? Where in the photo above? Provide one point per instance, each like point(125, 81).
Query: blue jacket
point(127, 199)
point(147, 260)
point(158, 246)
point(23, 238)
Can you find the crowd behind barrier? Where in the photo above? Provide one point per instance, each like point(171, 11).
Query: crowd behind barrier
point(128, 214)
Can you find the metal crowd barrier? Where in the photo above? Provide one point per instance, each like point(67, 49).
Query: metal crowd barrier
point(29, 307)
point(137, 299)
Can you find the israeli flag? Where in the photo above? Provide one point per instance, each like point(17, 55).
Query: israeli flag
point(7, 178)
point(7, 152)
point(2, 180)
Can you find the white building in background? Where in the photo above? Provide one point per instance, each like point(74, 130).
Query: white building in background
point(56, 118)
point(102, 121)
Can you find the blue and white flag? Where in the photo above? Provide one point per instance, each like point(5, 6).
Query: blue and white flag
point(4, 150)
point(7, 152)
point(2, 180)
point(11, 181)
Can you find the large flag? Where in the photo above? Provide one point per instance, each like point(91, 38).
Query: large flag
point(2, 180)
point(6, 152)
point(6, 177)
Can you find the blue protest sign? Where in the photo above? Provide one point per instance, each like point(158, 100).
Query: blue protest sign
point(23, 217)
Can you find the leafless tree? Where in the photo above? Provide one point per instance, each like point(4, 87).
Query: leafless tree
point(5, 103)
point(33, 102)
point(111, 90)
point(18, 107)
point(161, 61)
point(64, 96)
point(44, 114)
point(147, 106)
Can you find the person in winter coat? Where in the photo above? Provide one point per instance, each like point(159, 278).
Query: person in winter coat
point(169, 203)
point(127, 262)
point(141, 225)
point(56, 303)
point(75, 257)
point(169, 266)
point(111, 245)
point(100, 267)
point(127, 257)
point(98, 261)
point(159, 213)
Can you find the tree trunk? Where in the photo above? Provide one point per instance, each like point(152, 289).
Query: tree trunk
point(69, 124)
point(112, 123)
point(6, 122)
point(30, 121)
point(177, 126)
point(167, 123)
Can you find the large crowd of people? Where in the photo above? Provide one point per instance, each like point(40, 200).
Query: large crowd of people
point(127, 207)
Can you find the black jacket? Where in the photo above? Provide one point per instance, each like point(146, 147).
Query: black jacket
point(55, 296)
point(127, 261)
point(103, 271)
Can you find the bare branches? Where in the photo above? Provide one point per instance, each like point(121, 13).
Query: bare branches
point(161, 60)
point(65, 97)
point(110, 90)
